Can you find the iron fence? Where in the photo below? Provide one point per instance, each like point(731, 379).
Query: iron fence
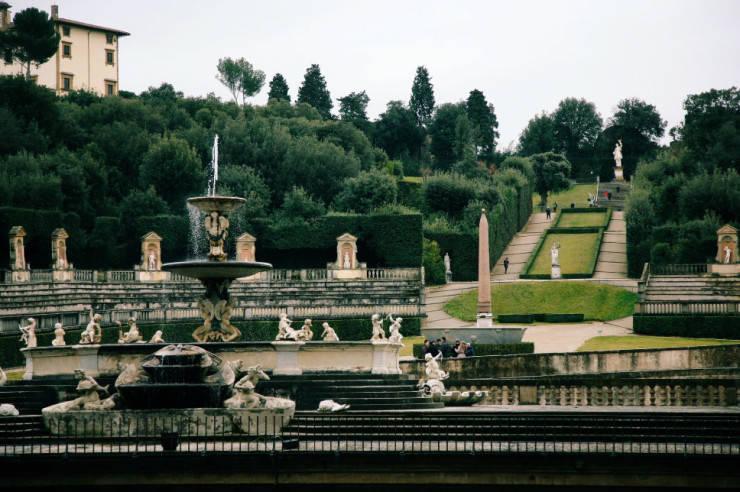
point(346, 433)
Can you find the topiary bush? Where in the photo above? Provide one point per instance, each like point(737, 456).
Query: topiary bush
point(434, 267)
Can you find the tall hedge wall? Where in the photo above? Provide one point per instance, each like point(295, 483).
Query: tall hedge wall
point(692, 326)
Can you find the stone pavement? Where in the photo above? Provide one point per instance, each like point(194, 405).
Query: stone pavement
point(567, 337)
point(612, 261)
point(521, 246)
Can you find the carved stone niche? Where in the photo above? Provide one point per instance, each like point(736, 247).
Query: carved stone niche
point(62, 269)
point(150, 268)
point(727, 252)
point(346, 265)
point(18, 266)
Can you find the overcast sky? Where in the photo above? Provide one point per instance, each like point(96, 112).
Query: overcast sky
point(524, 55)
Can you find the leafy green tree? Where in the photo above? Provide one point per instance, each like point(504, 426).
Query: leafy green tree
point(298, 204)
point(434, 267)
point(551, 172)
point(173, 168)
point(353, 109)
point(521, 164)
point(240, 77)
point(422, 97)
point(366, 192)
point(278, 89)
point(397, 132)
point(443, 131)
point(32, 121)
point(448, 193)
point(538, 136)
point(639, 116)
point(313, 91)
point(137, 204)
point(577, 126)
point(31, 39)
point(245, 182)
point(484, 122)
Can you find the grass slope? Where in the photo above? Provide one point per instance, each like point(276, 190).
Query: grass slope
point(577, 194)
point(595, 301)
point(595, 219)
point(631, 342)
point(576, 252)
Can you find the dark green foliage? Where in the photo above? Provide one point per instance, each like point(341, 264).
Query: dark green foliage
point(278, 89)
point(29, 117)
point(540, 317)
point(538, 136)
point(353, 109)
point(720, 326)
point(483, 349)
point(484, 122)
point(245, 182)
point(172, 167)
point(551, 172)
point(576, 126)
point(313, 91)
point(138, 204)
point(449, 193)
point(521, 164)
point(639, 116)
point(434, 268)
point(299, 205)
point(410, 194)
point(422, 96)
point(397, 132)
point(463, 251)
point(31, 38)
point(444, 135)
point(366, 192)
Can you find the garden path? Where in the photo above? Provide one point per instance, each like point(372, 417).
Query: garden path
point(613, 253)
point(521, 246)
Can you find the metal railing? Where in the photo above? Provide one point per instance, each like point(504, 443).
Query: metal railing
point(181, 433)
point(687, 307)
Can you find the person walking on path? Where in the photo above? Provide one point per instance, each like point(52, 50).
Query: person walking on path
point(506, 265)
point(548, 213)
point(555, 207)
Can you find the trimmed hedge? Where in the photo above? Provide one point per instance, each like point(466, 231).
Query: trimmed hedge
point(565, 230)
point(481, 349)
point(546, 317)
point(690, 326)
point(584, 210)
point(252, 331)
point(409, 194)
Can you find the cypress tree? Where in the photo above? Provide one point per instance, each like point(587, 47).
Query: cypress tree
point(422, 97)
point(313, 91)
point(278, 89)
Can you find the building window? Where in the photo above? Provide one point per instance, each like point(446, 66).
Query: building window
point(67, 82)
point(67, 50)
point(109, 57)
point(110, 38)
point(65, 30)
point(110, 88)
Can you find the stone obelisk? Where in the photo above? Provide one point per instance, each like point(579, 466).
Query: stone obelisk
point(484, 317)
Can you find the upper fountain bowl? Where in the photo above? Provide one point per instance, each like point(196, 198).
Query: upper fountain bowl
point(215, 270)
point(217, 203)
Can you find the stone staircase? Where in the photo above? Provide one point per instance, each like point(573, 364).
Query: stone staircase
point(612, 262)
point(361, 391)
point(521, 246)
point(619, 191)
point(691, 288)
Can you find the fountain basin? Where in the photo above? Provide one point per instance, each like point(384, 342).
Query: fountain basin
point(173, 395)
point(216, 270)
point(217, 203)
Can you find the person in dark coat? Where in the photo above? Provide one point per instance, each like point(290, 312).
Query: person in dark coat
point(506, 265)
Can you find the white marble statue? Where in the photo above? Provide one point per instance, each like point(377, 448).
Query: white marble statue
point(618, 153)
point(245, 397)
point(378, 331)
point(285, 331)
point(58, 336)
point(152, 263)
point(157, 337)
point(395, 329)
point(28, 333)
point(132, 335)
point(330, 406)
point(93, 333)
point(130, 374)
point(3, 377)
point(329, 335)
point(305, 334)
point(728, 255)
point(555, 254)
point(347, 263)
point(448, 263)
point(8, 410)
point(432, 369)
point(89, 397)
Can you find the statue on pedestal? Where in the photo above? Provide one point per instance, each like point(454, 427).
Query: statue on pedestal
point(93, 333)
point(395, 329)
point(618, 153)
point(58, 335)
point(28, 333)
point(329, 335)
point(448, 267)
point(305, 334)
point(555, 257)
point(378, 331)
point(157, 337)
point(285, 331)
point(132, 335)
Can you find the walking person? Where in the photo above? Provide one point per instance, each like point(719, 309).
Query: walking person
point(555, 207)
point(506, 265)
point(548, 213)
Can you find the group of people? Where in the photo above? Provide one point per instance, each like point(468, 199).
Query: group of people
point(448, 351)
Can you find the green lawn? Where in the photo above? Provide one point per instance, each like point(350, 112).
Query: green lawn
point(630, 342)
point(576, 253)
point(577, 194)
point(408, 345)
point(595, 301)
point(595, 219)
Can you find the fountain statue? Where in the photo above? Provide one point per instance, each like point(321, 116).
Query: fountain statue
point(434, 387)
point(216, 273)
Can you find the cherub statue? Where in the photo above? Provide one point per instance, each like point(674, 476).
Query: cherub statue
point(207, 312)
point(305, 333)
point(285, 331)
point(157, 337)
point(93, 333)
point(217, 229)
point(378, 331)
point(329, 335)
point(395, 329)
point(58, 335)
point(28, 333)
point(132, 335)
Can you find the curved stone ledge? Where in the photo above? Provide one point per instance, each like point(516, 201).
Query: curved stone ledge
point(282, 358)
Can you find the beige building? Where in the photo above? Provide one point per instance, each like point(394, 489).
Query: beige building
point(87, 57)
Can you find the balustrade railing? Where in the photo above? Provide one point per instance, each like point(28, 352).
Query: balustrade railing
point(678, 269)
point(41, 276)
point(84, 275)
point(687, 307)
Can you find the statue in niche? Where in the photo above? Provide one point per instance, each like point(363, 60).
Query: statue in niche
point(285, 331)
point(93, 333)
point(618, 153)
point(395, 329)
point(305, 334)
point(555, 254)
point(217, 229)
point(28, 333)
point(20, 256)
point(378, 331)
point(346, 264)
point(132, 335)
point(152, 261)
point(728, 255)
point(157, 337)
point(61, 255)
point(58, 335)
point(329, 335)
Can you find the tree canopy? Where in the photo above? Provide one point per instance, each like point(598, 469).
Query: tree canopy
point(576, 126)
point(482, 117)
point(422, 96)
point(278, 89)
point(31, 39)
point(240, 77)
point(313, 91)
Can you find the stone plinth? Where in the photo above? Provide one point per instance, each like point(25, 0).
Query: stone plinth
point(186, 422)
point(63, 275)
point(288, 358)
point(151, 276)
point(555, 273)
point(731, 270)
point(18, 266)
